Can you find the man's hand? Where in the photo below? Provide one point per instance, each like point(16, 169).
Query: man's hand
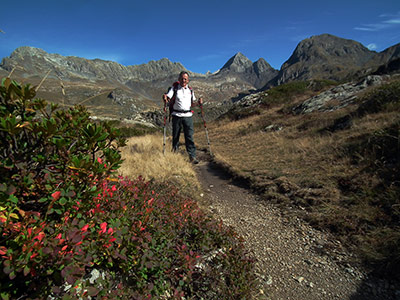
point(165, 98)
point(200, 101)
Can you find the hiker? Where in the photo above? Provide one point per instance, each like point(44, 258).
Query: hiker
point(181, 98)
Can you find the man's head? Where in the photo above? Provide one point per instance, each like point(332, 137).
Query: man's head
point(183, 78)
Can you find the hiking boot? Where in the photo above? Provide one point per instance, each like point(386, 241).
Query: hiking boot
point(194, 161)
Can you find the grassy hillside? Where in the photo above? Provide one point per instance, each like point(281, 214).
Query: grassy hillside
point(339, 170)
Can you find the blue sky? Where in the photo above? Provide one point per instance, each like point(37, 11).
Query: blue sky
point(202, 35)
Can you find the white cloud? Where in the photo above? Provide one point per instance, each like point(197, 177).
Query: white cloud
point(391, 20)
point(372, 27)
point(372, 46)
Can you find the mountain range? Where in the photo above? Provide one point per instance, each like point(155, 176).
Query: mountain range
point(110, 89)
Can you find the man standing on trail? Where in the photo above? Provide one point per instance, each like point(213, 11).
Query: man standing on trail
point(181, 98)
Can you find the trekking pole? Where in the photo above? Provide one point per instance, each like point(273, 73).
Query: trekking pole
point(205, 128)
point(165, 126)
point(44, 78)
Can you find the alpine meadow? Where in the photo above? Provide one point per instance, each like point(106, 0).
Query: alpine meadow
point(93, 207)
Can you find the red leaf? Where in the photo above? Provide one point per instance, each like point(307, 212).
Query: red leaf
point(56, 195)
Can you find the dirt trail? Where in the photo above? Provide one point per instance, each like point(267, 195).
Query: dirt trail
point(291, 259)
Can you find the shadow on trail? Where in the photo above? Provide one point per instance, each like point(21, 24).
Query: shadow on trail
point(218, 175)
point(374, 288)
point(223, 172)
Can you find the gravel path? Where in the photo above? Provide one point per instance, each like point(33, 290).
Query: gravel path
point(292, 257)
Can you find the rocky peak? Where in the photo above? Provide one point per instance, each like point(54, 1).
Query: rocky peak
point(324, 56)
point(238, 63)
point(156, 69)
point(329, 48)
point(27, 51)
point(261, 66)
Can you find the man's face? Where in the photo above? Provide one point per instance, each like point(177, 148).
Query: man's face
point(184, 80)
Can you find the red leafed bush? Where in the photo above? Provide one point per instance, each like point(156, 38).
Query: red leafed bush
point(69, 228)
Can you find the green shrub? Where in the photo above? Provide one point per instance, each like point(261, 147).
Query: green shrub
point(379, 156)
point(64, 216)
point(383, 98)
point(285, 93)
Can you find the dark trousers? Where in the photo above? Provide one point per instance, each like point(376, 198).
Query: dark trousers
point(188, 129)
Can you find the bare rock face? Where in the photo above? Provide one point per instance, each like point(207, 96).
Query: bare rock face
point(342, 95)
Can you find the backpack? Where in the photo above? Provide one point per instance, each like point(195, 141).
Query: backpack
point(172, 101)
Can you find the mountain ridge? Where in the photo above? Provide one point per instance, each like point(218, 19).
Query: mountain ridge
point(322, 56)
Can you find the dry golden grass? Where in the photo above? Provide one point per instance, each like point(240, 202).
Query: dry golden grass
point(143, 156)
point(334, 176)
point(302, 155)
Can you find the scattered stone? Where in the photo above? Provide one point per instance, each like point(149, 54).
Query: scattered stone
point(299, 279)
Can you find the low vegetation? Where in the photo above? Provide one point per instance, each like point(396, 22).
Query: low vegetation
point(282, 96)
point(344, 179)
point(71, 228)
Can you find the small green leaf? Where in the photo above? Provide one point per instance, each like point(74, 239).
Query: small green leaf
point(62, 201)
point(92, 291)
point(5, 296)
point(26, 270)
point(41, 200)
point(13, 199)
point(12, 275)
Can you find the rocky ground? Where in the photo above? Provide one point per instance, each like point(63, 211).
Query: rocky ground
point(294, 260)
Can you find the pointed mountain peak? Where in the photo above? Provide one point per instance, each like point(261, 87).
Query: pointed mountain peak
point(238, 63)
point(261, 66)
point(28, 51)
